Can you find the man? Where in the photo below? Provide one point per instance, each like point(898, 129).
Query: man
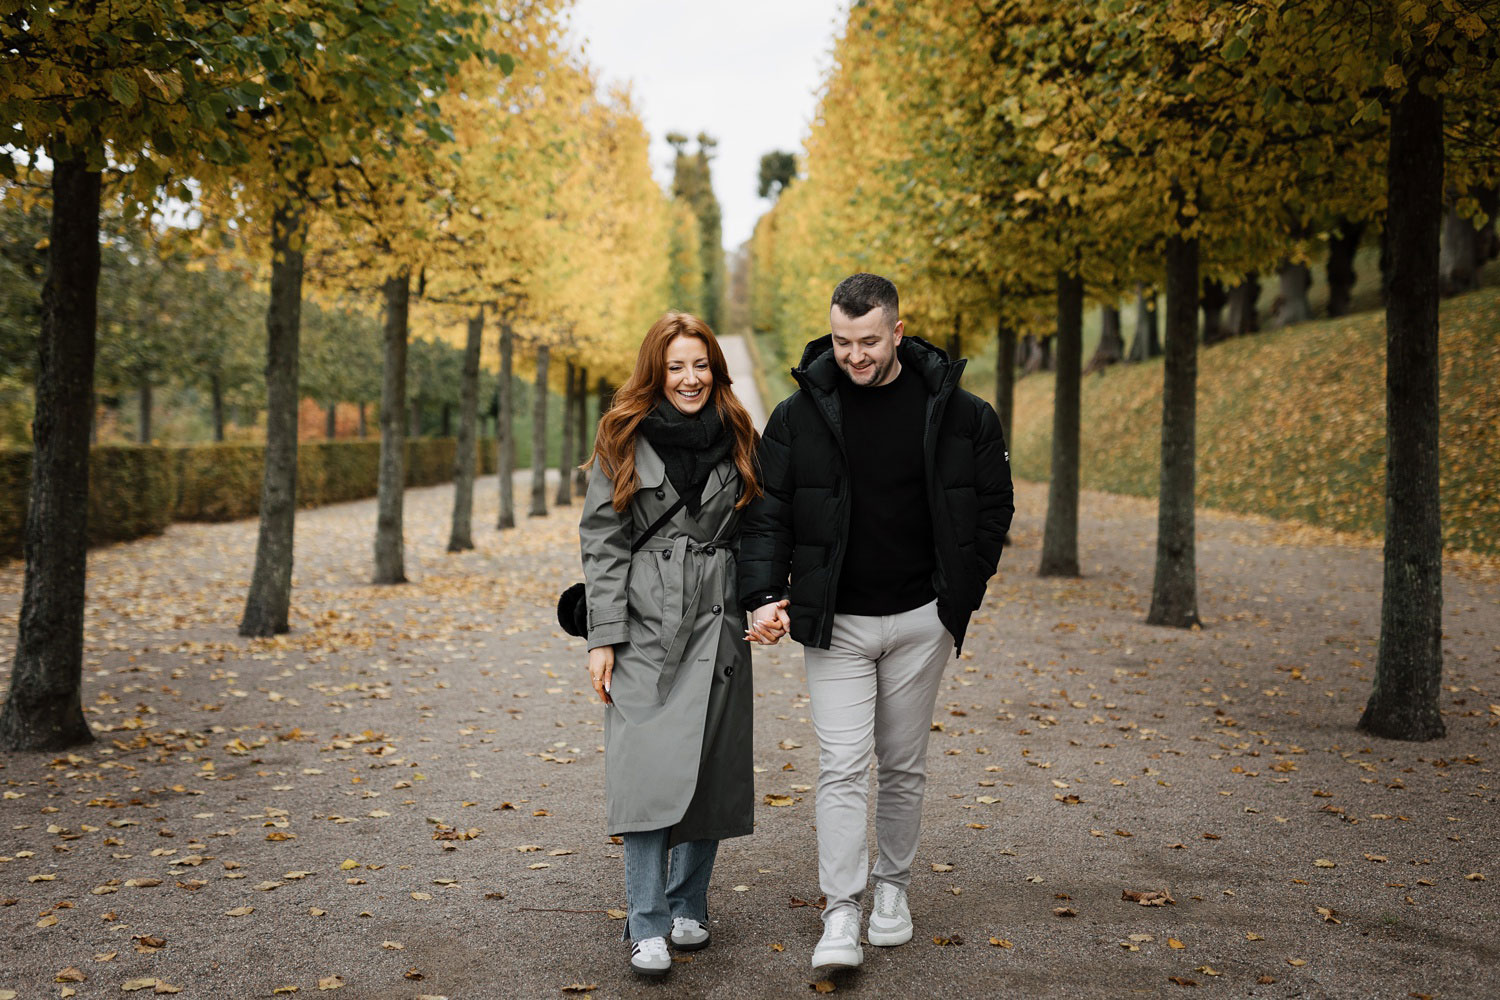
point(887, 499)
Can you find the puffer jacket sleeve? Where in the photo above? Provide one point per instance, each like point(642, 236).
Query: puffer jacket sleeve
point(765, 556)
point(604, 535)
point(997, 502)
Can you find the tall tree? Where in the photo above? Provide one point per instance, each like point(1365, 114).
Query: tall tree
point(1060, 534)
point(539, 435)
point(460, 534)
point(140, 80)
point(692, 182)
point(390, 548)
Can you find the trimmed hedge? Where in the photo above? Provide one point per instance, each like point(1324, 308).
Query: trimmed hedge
point(135, 491)
point(132, 492)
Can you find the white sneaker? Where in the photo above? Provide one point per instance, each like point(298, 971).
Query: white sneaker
point(688, 934)
point(890, 919)
point(839, 945)
point(649, 957)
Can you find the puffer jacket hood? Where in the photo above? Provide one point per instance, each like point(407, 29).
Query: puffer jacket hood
point(819, 368)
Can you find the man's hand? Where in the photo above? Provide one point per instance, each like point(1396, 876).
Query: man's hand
point(601, 669)
point(769, 623)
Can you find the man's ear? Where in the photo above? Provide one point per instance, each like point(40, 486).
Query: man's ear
point(899, 331)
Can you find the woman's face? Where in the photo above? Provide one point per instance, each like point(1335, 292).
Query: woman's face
point(688, 379)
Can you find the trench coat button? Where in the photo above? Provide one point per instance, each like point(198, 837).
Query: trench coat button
point(718, 610)
point(708, 551)
point(661, 494)
point(666, 553)
point(728, 671)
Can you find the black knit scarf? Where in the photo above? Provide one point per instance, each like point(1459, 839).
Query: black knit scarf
point(690, 446)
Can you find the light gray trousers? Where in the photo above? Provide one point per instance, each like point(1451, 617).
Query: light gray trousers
point(873, 691)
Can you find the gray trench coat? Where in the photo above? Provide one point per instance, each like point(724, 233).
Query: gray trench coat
point(678, 736)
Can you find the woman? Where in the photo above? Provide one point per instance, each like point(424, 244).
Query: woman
point(666, 652)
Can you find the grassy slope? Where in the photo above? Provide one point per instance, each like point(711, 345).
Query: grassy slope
point(1292, 424)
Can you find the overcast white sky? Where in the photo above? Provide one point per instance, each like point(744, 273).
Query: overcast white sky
point(747, 73)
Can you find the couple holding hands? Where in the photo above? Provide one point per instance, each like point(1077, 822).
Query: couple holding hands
point(865, 524)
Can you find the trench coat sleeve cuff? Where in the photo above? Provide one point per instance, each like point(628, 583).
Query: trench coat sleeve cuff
point(609, 633)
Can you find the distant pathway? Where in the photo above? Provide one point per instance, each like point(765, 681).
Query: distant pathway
point(742, 370)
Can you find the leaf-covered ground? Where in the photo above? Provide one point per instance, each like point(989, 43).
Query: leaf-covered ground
point(1291, 424)
point(402, 798)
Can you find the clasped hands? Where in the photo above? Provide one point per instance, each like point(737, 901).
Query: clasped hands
point(769, 623)
point(767, 626)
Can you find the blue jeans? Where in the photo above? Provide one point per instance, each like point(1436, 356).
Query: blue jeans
point(661, 884)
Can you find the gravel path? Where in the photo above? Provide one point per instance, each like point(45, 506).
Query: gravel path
point(403, 796)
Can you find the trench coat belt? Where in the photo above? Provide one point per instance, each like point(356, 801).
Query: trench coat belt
point(682, 587)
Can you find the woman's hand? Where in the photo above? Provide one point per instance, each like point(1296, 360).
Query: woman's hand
point(769, 623)
point(601, 669)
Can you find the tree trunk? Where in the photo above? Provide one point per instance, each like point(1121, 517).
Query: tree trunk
point(1146, 344)
point(564, 495)
point(1005, 373)
point(1244, 316)
point(331, 421)
point(539, 436)
point(1292, 305)
point(1060, 536)
point(606, 396)
point(1212, 300)
point(1342, 243)
point(390, 547)
point(270, 598)
point(1458, 257)
point(216, 390)
point(1111, 349)
point(505, 429)
point(584, 436)
point(460, 536)
point(1174, 593)
point(143, 411)
point(364, 430)
point(43, 710)
point(1409, 667)
point(447, 420)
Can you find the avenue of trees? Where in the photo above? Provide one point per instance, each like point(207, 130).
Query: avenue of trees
point(1007, 162)
point(261, 201)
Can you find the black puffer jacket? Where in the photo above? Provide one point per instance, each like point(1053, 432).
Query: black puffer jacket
point(800, 525)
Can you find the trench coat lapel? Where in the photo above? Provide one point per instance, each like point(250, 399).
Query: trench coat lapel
point(653, 473)
point(649, 466)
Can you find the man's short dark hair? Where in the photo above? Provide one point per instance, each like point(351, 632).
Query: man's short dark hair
point(859, 293)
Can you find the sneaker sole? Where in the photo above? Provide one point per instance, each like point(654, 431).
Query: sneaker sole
point(699, 946)
point(851, 959)
point(649, 973)
point(887, 939)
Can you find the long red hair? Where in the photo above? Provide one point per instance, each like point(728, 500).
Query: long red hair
point(614, 443)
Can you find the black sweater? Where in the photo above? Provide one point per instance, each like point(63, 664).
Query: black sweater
point(889, 560)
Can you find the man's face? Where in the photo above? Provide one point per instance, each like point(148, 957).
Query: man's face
point(865, 346)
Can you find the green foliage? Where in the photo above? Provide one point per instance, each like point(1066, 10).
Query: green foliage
point(777, 171)
point(23, 265)
point(1292, 425)
point(692, 182)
